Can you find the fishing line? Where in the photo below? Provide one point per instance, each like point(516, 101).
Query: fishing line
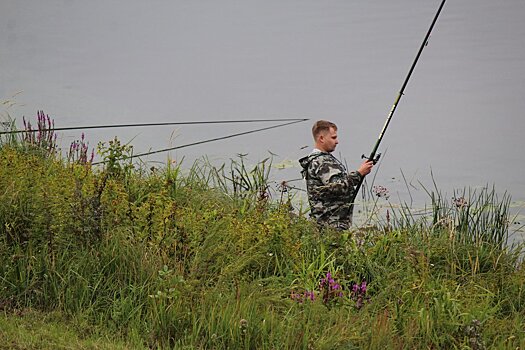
point(212, 140)
point(155, 124)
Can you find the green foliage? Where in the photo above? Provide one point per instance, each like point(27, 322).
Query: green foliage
point(116, 158)
point(470, 216)
point(166, 259)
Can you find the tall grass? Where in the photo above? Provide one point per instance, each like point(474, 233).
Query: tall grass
point(476, 216)
point(205, 259)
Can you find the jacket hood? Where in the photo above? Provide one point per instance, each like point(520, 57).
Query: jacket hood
point(305, 161)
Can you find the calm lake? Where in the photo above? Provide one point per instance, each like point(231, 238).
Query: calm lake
point(120, 62)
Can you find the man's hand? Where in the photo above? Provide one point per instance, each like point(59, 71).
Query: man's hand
point(365, 168)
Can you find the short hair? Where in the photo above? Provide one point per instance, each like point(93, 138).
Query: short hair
point(322, 126)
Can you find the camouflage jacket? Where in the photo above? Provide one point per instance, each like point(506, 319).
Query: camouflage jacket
point(330, 188)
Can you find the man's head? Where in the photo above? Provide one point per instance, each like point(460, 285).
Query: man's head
point(325, 135)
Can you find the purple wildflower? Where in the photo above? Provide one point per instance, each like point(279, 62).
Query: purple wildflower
point(358, 293)
point(301, 298)
point(330, 289)
point(78, 152)
point(460, 202)
point(381, 191)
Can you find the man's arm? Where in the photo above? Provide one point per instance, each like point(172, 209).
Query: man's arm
point(364, 169)
point(333, 176)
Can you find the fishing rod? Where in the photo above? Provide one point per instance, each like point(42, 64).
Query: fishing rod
point(373, 157)
point(213, 139)
point(154, 124)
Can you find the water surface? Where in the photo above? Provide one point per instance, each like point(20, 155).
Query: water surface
point(98, 62)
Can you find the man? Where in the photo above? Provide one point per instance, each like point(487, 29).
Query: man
point(330, 187)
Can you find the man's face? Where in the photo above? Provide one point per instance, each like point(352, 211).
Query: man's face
point(328, 140)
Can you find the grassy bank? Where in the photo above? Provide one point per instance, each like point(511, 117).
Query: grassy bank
point(126, 257)
point(30, 329)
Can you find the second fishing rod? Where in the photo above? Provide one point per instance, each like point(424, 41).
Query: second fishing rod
point(374, 156)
